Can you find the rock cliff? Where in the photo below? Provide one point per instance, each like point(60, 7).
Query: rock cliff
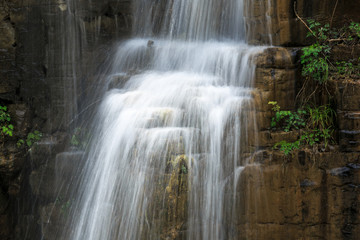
point(44, 45)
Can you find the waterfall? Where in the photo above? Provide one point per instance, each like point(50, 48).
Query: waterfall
point(171, 134)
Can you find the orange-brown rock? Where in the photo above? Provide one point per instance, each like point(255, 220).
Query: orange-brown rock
point(306, 196)
point(275, 80)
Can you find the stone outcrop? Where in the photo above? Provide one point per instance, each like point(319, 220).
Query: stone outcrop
point(348, 114)
point(47, 52)
point(9, 81)
point(306, 196)
point(276, 19)
point(313, 193)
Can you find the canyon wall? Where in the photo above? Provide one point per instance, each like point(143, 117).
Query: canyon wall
point(45, 45)
point(49, 52)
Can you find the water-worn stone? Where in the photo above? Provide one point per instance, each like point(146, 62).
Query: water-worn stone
point(11, 161)
point(275, 80)
point(57, 176)
point(278, 58)
point(53, 219)
point(46, 149)
point(168, 208)
point(285, 197)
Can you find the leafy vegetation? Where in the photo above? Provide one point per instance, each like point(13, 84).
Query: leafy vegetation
point(355, 28)
point(75, 138)
point(288, 120)
point(6, 127)
point(63, 204)
point(316, 125)
point(183, 169)
point(314, 61)
point(80, 138)
point(20, 142)
point(348, 68)
point(287, 147)
point(316, 57)
point(315, 119)
point(31, 138)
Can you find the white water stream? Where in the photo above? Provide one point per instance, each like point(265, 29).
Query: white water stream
point(182, 88)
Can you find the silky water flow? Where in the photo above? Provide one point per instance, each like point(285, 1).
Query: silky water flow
point(171, 135)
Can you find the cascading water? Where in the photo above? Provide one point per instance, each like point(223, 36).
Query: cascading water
point(174, 126)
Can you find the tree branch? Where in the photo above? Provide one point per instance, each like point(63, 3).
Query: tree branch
point(332, 16)
point(297, 15)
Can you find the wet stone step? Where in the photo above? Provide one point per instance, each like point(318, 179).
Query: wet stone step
point(165, 117)
point(118, 80)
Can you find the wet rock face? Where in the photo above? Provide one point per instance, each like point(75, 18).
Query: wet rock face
point(276, 19)
point(47, 53)
point(275, 80)
point(305, 196)
point(48, 50)
point(8, 82)
point(348, 114)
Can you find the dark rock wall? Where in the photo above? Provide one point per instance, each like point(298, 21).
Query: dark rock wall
point(48, 50)
point(285, 28)
point(50, 53)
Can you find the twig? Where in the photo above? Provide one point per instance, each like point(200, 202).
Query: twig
point(332, 16)
point(297, 15)
point(336, 40)
point(308, 98)
point(302, 90)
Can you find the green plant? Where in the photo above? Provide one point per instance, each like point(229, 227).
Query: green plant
point(288, 120)
point(20, 142)
point(33, 137)
point(344, 68)
point(80, 138)
point(348, 68)
point(321, 122)
point(287, 147)
point(64, 205)
point(316, 57)
point(319, 31)
point(75, 138)
point(314, 64)
point(183, 169)
point(6, 127)
point(321, 117)
point(316, 124)
point(355, 28)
